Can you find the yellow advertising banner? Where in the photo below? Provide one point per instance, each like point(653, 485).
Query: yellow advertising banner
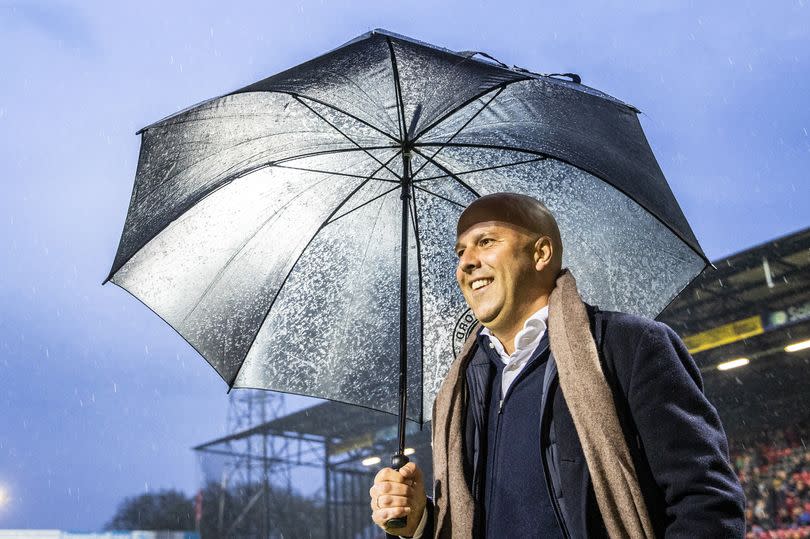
point(725, 334)
point(352, 443)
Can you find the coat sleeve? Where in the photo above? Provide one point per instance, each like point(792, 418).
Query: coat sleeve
point(681, 437)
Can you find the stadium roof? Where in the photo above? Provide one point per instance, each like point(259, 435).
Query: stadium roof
point(752, 306)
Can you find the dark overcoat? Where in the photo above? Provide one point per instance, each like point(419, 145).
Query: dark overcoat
point(674, 434)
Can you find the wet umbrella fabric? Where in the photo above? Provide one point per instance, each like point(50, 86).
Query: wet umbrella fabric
point(266, 225)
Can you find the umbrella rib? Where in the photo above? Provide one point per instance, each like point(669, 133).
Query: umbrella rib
point(208, 157)
point(473, 117)
point(341, 216)
point(328, 152)
point(338, 109)
point(258, 166)
point(484, 169)
point(359, 176)
point(595, 173)
point(227, 263)
point(415, 220)
point(485, 147)
point(170, 120)
point(447, 171)
point(336, 128)
point(295, 263)
point(227, 180)
point(502, 86)
point(398, 90)
point(440, 196)
point(239, 249)
point(313, 154)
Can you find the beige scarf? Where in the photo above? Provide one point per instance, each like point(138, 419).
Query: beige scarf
point(590, 402)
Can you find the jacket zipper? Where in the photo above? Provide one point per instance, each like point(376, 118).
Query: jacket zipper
point(549, 487)
point(491, 480)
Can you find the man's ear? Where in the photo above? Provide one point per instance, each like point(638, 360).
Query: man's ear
point(543, 253)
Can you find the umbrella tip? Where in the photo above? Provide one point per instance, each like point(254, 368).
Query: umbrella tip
point(575, 78)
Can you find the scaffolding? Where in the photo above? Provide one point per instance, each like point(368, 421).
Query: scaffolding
point(300, 474)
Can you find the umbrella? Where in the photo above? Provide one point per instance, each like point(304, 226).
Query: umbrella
point(298, 232)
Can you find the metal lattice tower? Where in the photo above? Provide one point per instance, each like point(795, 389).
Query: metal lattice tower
point(297, 474)
point(252, 469)
point(249, 409)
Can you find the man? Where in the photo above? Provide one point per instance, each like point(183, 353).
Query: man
point(557, 419)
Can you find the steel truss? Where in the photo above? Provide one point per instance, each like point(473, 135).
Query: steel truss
point(296, 475)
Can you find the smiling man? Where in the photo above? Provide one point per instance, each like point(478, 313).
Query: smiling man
point(558, 419)
point(506, 266)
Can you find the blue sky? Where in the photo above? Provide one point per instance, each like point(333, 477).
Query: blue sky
point(100, 399)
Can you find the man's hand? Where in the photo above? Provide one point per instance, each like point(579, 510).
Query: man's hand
point(398, 493)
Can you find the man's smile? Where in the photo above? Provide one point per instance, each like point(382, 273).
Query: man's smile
point(480, 283)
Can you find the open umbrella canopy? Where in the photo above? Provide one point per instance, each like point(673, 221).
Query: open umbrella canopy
point(266, 225)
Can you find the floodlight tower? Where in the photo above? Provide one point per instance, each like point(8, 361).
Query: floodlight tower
point(259, 456)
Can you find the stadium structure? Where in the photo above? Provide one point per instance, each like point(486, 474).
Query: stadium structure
point(746, 322)
point(300, 474)
point(747, 325)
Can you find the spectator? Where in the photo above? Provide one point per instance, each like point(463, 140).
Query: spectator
point(774, 470)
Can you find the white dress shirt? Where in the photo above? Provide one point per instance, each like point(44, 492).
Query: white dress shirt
point(526, 342)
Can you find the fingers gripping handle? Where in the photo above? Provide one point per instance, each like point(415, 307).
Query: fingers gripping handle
point(398, 460)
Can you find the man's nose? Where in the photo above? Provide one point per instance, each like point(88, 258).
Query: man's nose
point(468, 261)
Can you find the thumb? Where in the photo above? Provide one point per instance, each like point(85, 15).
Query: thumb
point(411, 471)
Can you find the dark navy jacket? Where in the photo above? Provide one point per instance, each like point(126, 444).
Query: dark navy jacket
point(674, 434)
point(514, 495)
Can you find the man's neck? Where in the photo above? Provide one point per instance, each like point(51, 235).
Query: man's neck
point(507, 340)
point(507, 336)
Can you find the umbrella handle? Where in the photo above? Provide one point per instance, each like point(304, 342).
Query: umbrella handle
point(398, 460)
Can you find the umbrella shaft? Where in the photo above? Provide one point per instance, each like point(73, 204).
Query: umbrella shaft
point(403, 300)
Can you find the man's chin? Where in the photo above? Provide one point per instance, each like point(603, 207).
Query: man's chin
point(483, 317)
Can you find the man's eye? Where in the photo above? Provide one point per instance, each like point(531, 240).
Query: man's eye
point(485, 241)
point(459, 253)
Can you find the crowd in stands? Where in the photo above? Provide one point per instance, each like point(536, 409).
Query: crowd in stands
point(774, 470)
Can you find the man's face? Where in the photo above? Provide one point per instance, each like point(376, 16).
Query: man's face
point(496, 272)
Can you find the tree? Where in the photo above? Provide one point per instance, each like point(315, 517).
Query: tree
point(240, 513)
point(164, 510)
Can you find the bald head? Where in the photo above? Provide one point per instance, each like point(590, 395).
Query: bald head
point(518, 210)
point(509, 257)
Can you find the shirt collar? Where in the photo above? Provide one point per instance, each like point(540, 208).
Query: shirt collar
point(533, 329)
